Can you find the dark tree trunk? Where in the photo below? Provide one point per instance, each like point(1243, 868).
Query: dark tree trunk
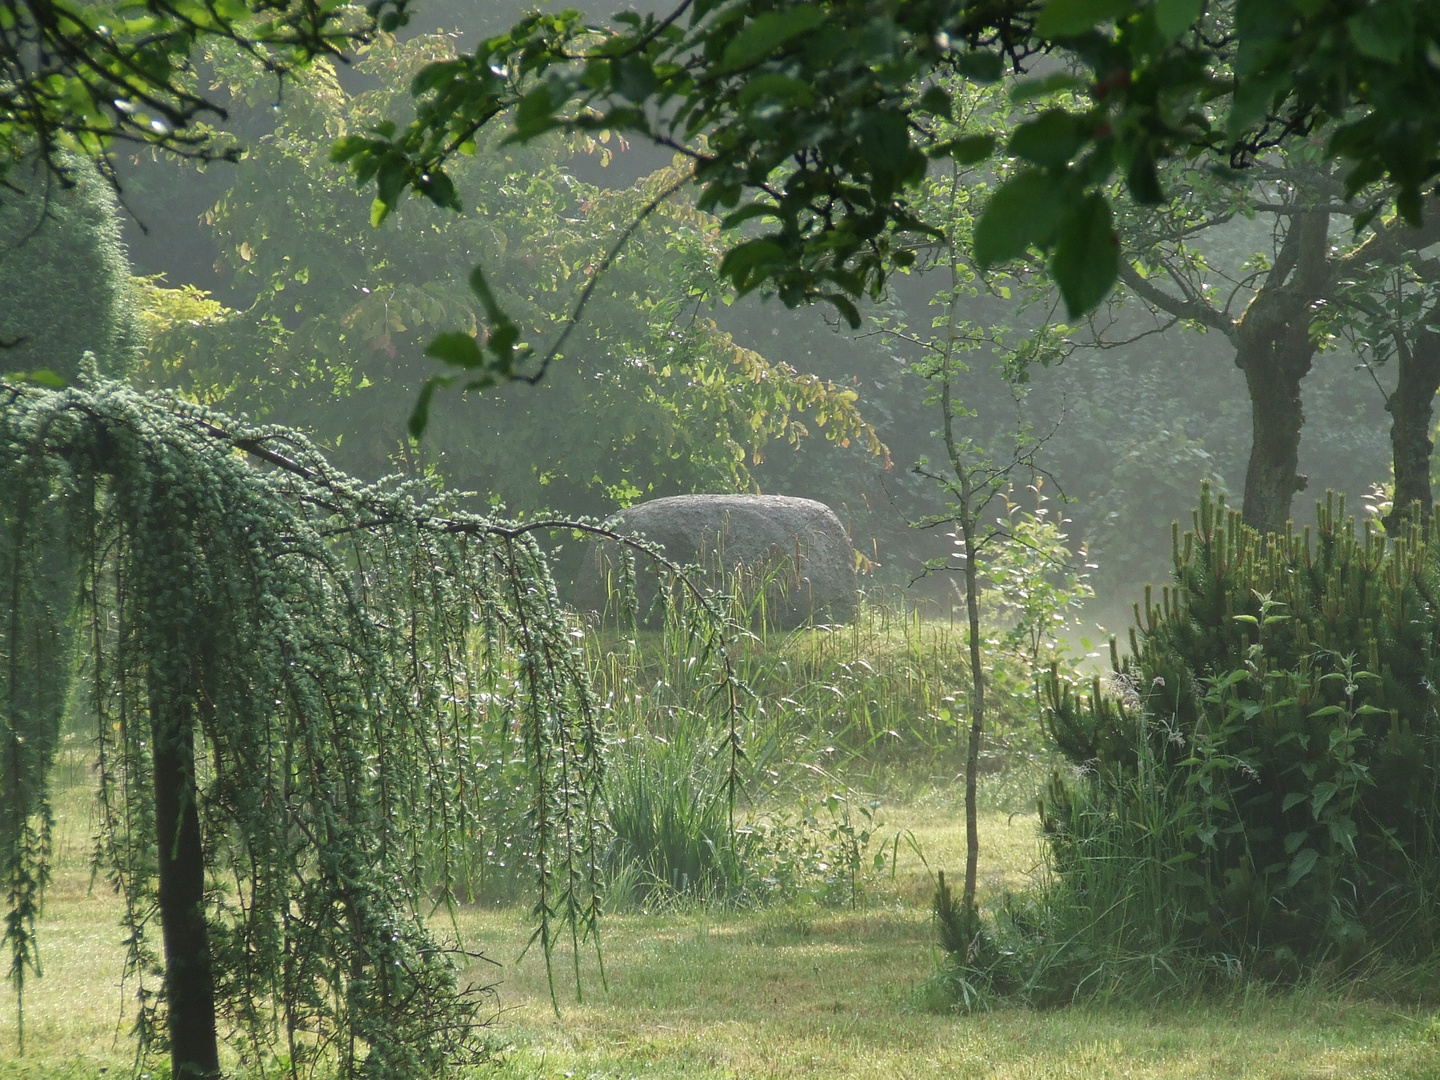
point(1276, 418)
point(1274, 349)
point(1411, 407)
point(189, 976)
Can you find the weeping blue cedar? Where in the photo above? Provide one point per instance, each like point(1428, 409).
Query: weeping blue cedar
point(291, 677)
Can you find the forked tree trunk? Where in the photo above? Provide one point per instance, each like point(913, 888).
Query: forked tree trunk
point(189, 975)
point(1274, 349)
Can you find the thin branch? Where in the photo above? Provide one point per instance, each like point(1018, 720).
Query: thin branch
point(573, 319)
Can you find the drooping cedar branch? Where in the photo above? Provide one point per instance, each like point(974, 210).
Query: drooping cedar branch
point(294, 675)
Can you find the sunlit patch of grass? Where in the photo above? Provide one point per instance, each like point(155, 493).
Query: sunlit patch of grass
point(700, 996)
point(796, 990)
point(77, 1016)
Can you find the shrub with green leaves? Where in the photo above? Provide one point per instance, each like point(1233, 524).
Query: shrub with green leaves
point(1262, 779)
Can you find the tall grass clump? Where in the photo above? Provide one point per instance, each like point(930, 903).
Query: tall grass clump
point(1258, 788)
point(668, 800)
point(831, 715)
point(880, 696)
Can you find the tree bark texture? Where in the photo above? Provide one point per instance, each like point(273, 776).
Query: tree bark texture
point(1274, 349)
point(1411, 407)
point(1277, 416)
point(189, 975)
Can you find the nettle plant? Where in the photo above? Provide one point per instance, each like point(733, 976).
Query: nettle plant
point(296, 684)
point(1268, 760)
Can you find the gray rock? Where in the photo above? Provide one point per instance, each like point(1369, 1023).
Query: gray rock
point(796, 549)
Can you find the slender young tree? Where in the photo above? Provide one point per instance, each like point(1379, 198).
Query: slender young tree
point(973, 477)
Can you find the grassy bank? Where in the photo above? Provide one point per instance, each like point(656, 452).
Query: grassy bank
point(793, 991)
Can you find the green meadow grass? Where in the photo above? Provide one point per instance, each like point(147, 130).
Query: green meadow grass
point(796, 991)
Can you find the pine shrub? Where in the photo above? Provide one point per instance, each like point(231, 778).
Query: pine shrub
point(1260, 777)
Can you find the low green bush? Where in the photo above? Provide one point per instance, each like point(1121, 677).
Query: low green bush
point(1261, 781)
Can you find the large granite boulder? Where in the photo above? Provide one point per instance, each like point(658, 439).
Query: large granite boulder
point(795, 549)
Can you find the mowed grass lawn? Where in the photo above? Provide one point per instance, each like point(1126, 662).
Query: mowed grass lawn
point(793, 992)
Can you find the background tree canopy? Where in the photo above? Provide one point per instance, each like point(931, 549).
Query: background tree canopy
point(812, 117)
point(656, 399)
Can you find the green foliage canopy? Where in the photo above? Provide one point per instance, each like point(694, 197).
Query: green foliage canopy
point(812, 119)
point(654, 398)
point(817, 120)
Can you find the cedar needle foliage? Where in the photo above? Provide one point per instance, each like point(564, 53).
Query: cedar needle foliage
point(293, 681)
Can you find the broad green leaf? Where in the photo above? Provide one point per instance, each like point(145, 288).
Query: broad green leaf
point(420, 414)
point(847, 309)
point(1323, 793)
point(748, 211)
point(536, 113)
point(440, 189)
point(635, 78)
point(979, 66)
point(1301, 865)
point(457, 349)
point(481, 288)
point(741, 262)
point(1022, 212)
point(1087, 255)
point(1143, 183)
point(1293, 799)
point(1174, 17)
point(768, 32)
point(1066, 18)
point(773, 86)
point(967, 150)
point(1051, 139)
point(1375, 39)
point(935, 100)
point(1343, 832)
point(1034, 89)
point(1251, 100)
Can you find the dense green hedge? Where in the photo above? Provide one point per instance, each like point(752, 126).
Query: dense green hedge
point(64, 275)
point(1267, 759)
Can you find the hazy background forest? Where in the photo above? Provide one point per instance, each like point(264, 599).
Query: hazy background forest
point(1225, 813)
point(1135, 416)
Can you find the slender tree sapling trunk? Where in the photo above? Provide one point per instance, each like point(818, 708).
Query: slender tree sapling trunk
point(970, 503)
point(977, 704)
